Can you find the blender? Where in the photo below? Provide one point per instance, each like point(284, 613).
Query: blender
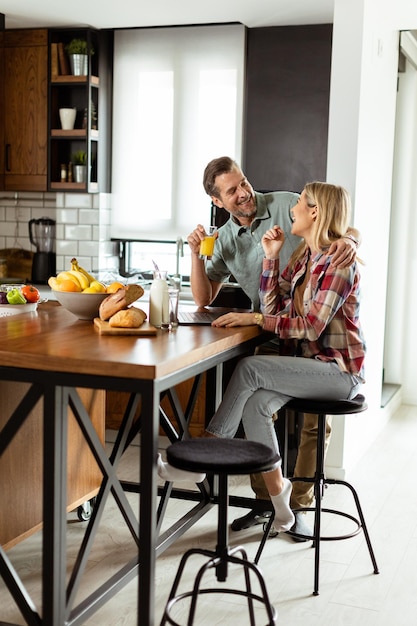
point(42, 236)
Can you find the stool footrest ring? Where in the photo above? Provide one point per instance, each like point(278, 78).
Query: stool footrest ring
point(349, 535)
point(216, 560)
point(189, 594)
point(320, 482)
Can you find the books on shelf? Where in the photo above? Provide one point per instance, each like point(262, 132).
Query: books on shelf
point(64, 66)
point(54, 60)
point(60, 65)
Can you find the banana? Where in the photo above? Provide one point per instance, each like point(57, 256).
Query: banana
point(75, 266)
point(53, 283)
point(82, 279)
point(68, 276)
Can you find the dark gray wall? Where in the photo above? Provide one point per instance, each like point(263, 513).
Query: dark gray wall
point(287, 106)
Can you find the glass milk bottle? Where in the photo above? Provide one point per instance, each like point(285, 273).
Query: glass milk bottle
point(159, 300)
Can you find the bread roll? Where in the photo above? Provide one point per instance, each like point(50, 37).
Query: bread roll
point(128, 318)
point(119, 301)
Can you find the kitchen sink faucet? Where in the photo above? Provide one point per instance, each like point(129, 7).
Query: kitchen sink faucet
point(176, 278)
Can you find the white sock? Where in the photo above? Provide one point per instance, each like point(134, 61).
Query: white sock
point(173, 474)
point(284, 517)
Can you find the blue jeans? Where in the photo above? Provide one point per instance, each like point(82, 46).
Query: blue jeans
point(263, 384)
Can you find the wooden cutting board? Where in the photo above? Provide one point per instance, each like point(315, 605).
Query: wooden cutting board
point(143, 331)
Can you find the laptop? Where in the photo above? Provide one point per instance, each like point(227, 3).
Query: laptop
point(200, 318)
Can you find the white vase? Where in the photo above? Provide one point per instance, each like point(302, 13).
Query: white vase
point(79, 64)
point(67, 117)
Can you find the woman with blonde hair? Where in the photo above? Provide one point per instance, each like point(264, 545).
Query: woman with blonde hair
point(313, 307)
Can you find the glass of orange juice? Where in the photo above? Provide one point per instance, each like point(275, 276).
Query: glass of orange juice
point(207, 244)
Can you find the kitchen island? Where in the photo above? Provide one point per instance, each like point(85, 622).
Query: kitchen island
point(56, 354)
point(21, 464)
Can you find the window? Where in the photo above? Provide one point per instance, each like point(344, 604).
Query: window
point(178, 101)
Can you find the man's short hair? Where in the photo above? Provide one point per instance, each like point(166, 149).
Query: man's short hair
point(216, 167)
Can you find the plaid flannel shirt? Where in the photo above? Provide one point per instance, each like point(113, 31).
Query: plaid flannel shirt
point(329, 328)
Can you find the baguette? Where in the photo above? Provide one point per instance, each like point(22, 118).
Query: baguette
point(128, 318)
point(119, 301)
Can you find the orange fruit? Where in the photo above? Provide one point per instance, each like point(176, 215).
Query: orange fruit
point(68, 285)
point(113, 287)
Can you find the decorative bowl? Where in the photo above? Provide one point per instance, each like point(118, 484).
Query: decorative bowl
point(85, 306)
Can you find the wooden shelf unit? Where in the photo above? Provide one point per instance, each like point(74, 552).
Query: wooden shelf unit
point(68, 91)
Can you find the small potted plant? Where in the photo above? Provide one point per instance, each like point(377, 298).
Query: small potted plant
point(79, 161)
point(78, 51)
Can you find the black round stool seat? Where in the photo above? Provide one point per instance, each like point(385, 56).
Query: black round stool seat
point(328, 407)
point(222, 456)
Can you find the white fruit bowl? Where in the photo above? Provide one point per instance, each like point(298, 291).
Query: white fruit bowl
point(6, 310)
point(85, 306)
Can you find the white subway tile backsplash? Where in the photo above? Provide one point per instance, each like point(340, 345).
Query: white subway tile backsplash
point(60, 200)
point(87, 262)
point(43, 211)
point(108, 248)
point(101, 233)
point(79, 200)
point(17, 213)
point(32, 202)
point(82, 225)
point(89, 216)
point(23, 196)
point(104, 200)
point(9, 229)
point(51, 196)
point(67, 216)
point(67, 248)
point(6, 196)
point(88, 248)
point(22, 229)
point(59, 231)
point(67, 261)
point(105, 217)
point(78, 232)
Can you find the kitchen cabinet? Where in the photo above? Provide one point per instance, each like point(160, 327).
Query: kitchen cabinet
point(2, 105)
point(89, 94)
point(21, 464)
point(24, 110)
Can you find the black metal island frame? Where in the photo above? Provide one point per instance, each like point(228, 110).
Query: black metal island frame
point(57, 355)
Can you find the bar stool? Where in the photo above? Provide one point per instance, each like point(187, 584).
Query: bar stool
point(221, 457)
point(323, 408)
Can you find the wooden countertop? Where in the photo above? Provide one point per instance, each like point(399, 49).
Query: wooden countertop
point(53, 339)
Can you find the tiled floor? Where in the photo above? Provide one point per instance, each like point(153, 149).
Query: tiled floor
point(349, 591)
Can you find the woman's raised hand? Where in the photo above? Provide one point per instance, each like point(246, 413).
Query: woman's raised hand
point(272, 242)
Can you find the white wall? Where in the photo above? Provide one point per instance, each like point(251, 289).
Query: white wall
point(360, 156)
point(401, 329)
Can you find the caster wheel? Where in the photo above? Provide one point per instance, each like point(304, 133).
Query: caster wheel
point(85, 510)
